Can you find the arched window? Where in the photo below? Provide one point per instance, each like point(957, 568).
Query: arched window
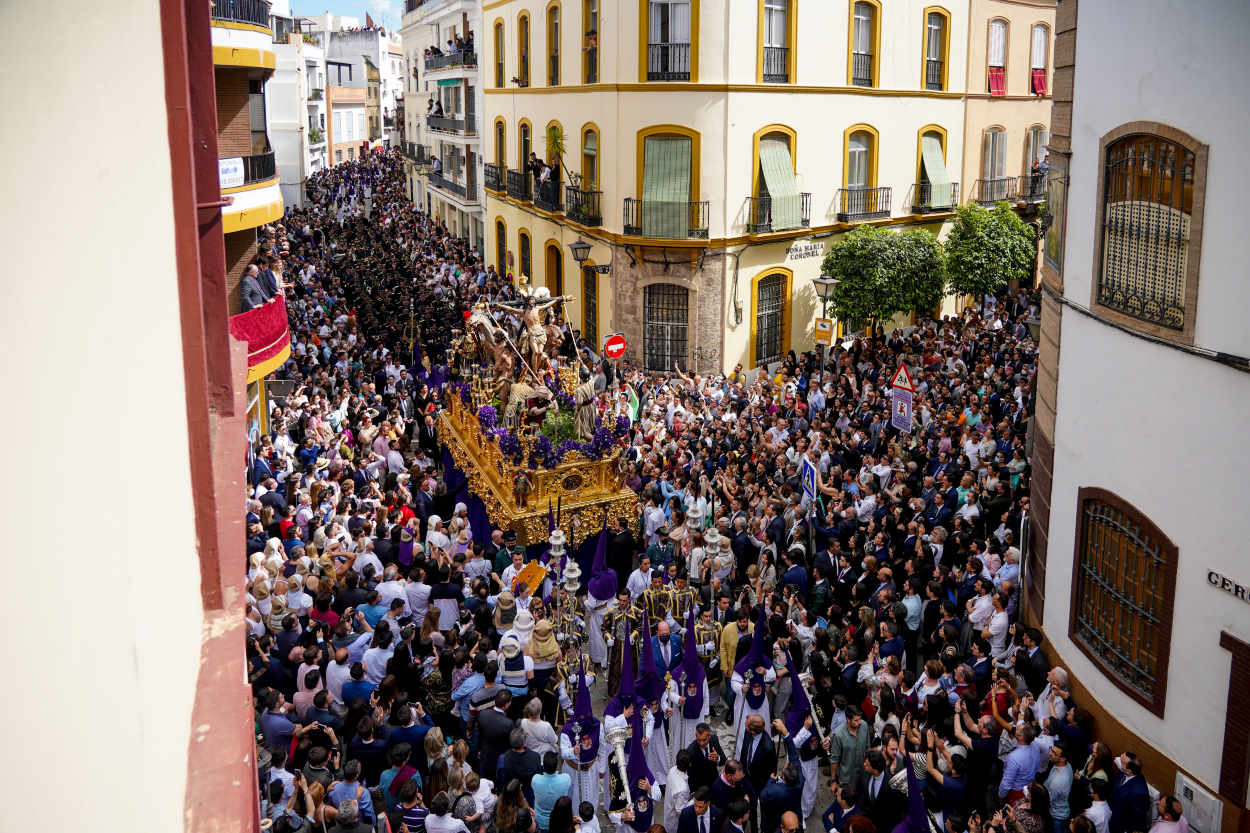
point(666, 322)
point(668, 183)
point(1124, 582)
point(500, 79)
point(865, 33)
point(525, 265)
point(859, 160)
point(553, 45)
point(501, 145)
point(553, 268)
point(996, 58)
point(501, 247)
point(1039, 53)
point(770, 322)
point(995, 185)
point(590, 306)
point(936, 34)
point(777, 204)
point(1148, 211)
point(590, 159)
point(776, 41)
point(523, 48)
point(590, 41)
point(671, 31)
point(935, 191)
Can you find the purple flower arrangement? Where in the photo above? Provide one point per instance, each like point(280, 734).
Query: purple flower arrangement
point(487, 416)
point(542, 454)
point(509, 444)
point(466, 396)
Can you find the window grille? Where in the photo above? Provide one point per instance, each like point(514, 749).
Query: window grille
point(666, 315)
point(770, 308)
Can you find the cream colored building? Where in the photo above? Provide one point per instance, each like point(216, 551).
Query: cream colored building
point(1010, 78)
point(712, 151)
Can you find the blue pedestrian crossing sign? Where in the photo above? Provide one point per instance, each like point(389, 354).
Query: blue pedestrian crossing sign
point(809, 480)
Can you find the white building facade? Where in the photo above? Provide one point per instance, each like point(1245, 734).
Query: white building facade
point(1137, 569)
point(297, 105)
point(450, 189)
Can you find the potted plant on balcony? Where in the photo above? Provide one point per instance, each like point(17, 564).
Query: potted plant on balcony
point(315, 136)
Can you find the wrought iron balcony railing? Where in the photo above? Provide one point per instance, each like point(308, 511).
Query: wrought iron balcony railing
point(547, 196)
point(1032, 187)
point(464, 127)
point(761, 219)
point(668, 62)
point(990, 191)
point(520, 185)
point(242, 11)
point(776, 65)
point(582, 206)
point(932, 74)
point(495, 177)
point(667, 220)
point(927, 198)
point(463, 58)
point(466, 192)
point(861, 69)
point(857, 204)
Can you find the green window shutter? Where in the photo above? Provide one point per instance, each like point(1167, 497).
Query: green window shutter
point(666, 187)
point(935, 169)
point(778, 168)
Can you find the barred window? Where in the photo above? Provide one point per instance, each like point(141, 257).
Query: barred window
point(770, 307)
point(1124, 580)
point(523, 243)
point(666, 317)
point(501, 248)
point(1147, 219)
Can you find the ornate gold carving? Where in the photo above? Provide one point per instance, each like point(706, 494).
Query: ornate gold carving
point(586, 488)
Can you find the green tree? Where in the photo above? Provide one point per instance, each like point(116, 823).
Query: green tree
point(881, 273)
point(921, 280)
point(986, 248)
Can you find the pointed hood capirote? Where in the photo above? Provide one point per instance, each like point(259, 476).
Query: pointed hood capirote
point(583, 723)
point(650, 685)
point(626, 695)
point(692, 673)
point(602, 585)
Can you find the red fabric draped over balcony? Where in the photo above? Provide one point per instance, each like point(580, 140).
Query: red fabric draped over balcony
point(268, 337)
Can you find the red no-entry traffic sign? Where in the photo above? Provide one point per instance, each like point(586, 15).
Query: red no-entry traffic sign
point(614, 346)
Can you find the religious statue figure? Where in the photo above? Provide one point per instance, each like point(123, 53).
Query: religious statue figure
point(533, 340)
point(584, 402)
point(521, 488)
point(505, 365)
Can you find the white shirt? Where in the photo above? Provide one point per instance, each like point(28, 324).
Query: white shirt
point(1100, 814)
point(336, 675)
point(390, 591)
point(418, 593)
point(982, 609)
point(998, 633)
point(638, 582)
point(364, 559)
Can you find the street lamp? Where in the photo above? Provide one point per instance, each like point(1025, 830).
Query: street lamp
point(581, 252)
point(580, 249)
point(825, 286)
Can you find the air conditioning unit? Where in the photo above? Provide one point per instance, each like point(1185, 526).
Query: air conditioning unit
point(1203, 811)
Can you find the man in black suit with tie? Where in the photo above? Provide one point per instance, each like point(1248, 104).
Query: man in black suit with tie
point(427, 437)
point(884, 805)
point(621, 550)
point(758, 754)
point(706, 757)
point(701, 816)
point(495, 728)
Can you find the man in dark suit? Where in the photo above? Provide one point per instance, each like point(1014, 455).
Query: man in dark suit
point(251, 293)
point(731, 787)
point(882, 804)
point(706, 757)
point(666, 648)
point(268, 280)
point(782, 793)
point(1032, 662)
point(1130, 799)
point(621, 550)
point(495, 729)
point(701, 816)
point(427, 436)
point(758, 754)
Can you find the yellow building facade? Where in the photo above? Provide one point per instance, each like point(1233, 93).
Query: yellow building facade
point(709, 152)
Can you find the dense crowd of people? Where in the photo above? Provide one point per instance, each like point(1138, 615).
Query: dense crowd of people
point(860, 653)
